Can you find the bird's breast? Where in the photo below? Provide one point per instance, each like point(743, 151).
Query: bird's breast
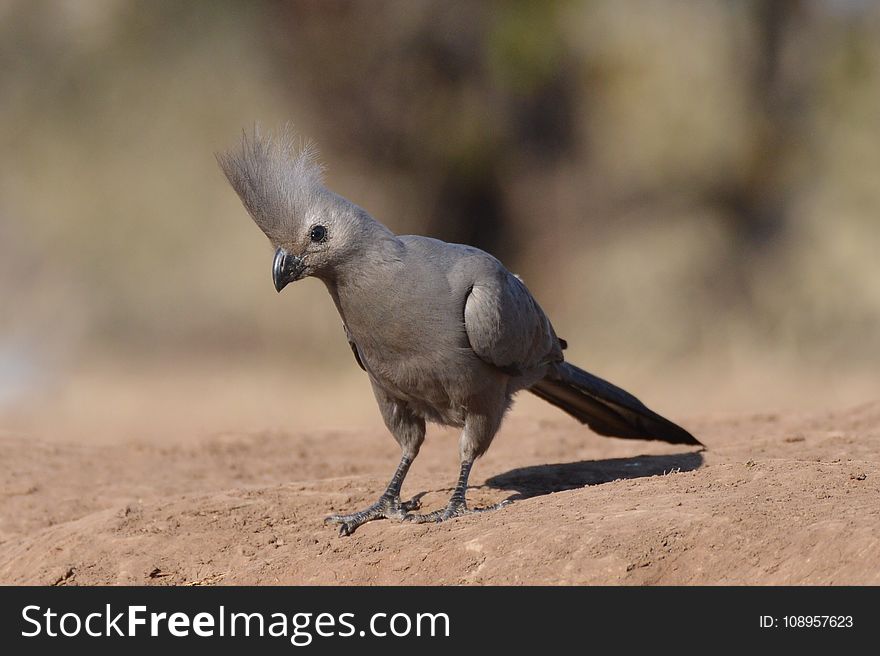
point(410, 335)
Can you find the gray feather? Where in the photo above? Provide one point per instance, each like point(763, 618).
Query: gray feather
point(278, 178)
point(506, 327)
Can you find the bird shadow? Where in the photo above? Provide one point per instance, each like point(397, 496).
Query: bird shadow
point(538, 480)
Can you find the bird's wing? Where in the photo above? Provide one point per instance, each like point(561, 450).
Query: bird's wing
point(506, 327)
point(354, 348)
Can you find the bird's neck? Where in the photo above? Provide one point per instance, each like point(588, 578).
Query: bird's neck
point(370, 267)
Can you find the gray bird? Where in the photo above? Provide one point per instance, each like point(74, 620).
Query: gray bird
point(445, 332)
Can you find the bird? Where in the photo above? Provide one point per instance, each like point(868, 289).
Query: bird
point(445, 333)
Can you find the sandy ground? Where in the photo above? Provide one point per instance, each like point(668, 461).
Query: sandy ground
point(777, 498)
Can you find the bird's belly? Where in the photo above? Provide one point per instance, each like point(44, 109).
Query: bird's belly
point(413, 356)
point(435, 388)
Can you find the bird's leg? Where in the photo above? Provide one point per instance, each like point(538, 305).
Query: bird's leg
point(457, 505)
point(388, 506)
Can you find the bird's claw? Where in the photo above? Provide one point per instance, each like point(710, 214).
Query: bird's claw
point(413, 504)
point(454, 509)
point(384, 508)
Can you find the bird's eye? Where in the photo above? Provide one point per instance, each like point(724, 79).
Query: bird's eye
point(318, 234)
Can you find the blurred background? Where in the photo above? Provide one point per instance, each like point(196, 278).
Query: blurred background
point(691, 189)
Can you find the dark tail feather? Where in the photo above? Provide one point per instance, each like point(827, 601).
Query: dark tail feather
point(605, 408)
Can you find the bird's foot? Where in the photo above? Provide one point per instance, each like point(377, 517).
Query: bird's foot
point(387, 507)
point(454, 509)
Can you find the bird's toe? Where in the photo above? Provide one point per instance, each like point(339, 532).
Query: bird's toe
point(413, 504)
point(384, 508)
point(451, 511)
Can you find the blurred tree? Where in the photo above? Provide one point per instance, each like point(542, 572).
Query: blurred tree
point(757, 198)
point(664, 173)
point(449, 94)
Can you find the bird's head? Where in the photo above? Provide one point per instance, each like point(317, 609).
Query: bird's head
point(280, 183)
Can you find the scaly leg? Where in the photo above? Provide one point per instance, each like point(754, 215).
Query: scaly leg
point(388, 506)
point(457, 504)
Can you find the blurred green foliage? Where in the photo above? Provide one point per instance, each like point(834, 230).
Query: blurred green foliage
point(672, 179)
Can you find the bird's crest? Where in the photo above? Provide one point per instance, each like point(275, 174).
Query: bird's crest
point(278, 178)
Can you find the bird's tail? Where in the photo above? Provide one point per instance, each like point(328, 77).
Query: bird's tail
point(606, 408)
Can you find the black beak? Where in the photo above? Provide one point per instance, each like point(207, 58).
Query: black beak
point(286, 268)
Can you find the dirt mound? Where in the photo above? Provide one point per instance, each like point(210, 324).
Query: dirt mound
point(774, 499)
